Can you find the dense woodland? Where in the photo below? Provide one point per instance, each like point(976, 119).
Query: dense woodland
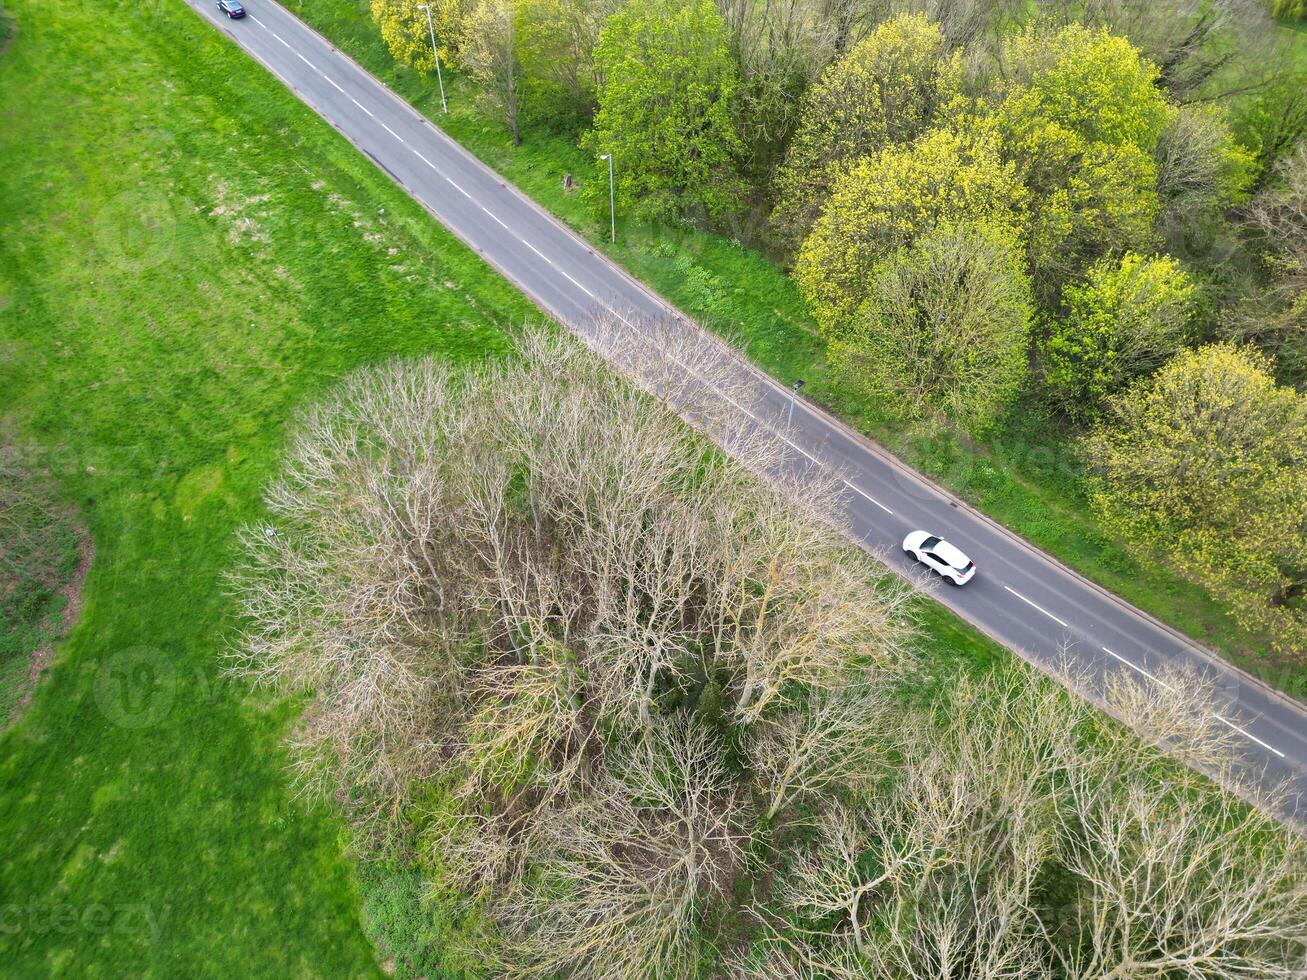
point(1097, 209)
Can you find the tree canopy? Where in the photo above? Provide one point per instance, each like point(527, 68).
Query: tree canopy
point(664, 109)
point(1205, 466)
point(944, 329)
point(406, 33)
point(1124, 321)
point(1081, 119)
point(888, 88)
point(887, 200)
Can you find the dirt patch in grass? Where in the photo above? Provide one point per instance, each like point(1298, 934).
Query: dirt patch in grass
point(43, 560)
point(70, 595)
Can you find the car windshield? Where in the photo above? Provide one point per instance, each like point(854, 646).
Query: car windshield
point(929, 543)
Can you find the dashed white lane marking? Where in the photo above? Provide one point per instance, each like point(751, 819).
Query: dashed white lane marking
point(1135, 667)
point(864, 494)
point(1247, 734)
point(1040, 608)
point(393, 133)
point(333, 84)
point(575, 283)
point(454, 184)
point(361, 105)
point(493, 217)
point(536, 250)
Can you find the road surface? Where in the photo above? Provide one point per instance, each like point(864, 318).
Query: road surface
point(1019, 596)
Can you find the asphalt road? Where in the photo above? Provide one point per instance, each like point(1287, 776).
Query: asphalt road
point(1019, 596)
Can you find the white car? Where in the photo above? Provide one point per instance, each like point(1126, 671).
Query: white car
point(940, 556)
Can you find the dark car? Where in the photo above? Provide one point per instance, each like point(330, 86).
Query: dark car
point(232, 8)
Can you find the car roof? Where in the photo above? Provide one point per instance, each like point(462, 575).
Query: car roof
point(950, 554)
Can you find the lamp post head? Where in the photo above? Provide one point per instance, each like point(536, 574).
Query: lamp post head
point(798, 384)
point(605, 156)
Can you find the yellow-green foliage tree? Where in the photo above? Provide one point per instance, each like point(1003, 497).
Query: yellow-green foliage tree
point(889, 88)
point(667, 77)
point(886, 201)
point(943, 331)
point(1205, 466)
point(405, 31)
point(1081, 118)
point(1124, 321)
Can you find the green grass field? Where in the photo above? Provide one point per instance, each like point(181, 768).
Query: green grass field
point(1024, 476)
point(186, 254)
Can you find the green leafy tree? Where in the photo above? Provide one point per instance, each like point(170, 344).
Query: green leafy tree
point(1205, 466)
point(886, 201)
point(666, 83)
point(888, 89)
point(944, 328)
point(404, 29)
point(1081, 118)
point(1124, 321)
point(1274, 121)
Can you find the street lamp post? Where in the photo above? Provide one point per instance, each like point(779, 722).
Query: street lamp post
point(794, 394)
point(612, 197)
point(444, 107)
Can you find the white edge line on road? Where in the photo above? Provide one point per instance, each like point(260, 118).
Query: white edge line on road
point(863, 493)
point(1248, 735)
point(1040, 608)
point(1136, 667)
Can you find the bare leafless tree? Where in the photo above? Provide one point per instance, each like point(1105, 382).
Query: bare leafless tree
point(1192, 884)
point(637, 681)
point(519, 585)
point(622, 874)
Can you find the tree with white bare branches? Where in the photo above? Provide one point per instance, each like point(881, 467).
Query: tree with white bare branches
point(657, 715)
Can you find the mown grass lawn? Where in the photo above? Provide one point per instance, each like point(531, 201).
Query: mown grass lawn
point(186, 254)
point(1024, 476)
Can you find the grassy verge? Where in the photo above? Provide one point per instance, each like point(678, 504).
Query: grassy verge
point(1024, 476)
point(186, 254)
